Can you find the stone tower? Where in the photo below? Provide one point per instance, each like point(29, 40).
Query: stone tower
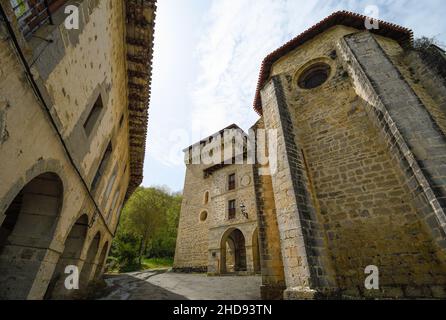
point(218, 221)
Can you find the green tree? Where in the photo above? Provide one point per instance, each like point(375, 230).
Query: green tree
point(148, 227)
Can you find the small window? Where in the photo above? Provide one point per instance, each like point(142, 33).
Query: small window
point(203, 216)
point(231, 181)
point(206, 197)
point(314, 76)
point(103, 166)
point(113, 205)
point(121, 121)
point(93, 117)
point(231, 209)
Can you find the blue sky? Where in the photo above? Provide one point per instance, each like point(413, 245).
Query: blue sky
point(207, 57)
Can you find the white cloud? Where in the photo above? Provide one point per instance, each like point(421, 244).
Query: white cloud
point(200, 93)
point(241, 33)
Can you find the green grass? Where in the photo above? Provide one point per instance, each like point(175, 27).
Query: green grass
point(156, 263)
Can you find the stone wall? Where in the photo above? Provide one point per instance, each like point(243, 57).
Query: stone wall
point(342, 200)
point(273, 278)
point(219, 223)
point(191, 253)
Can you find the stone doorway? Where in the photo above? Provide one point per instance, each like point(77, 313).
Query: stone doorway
point(233, 252)
point(26, 232)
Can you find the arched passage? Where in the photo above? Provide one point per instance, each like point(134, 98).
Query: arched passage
point(233, 251)
point(89, 264)
point(101, 261)
point(256, 251)
point(26, 232)
point(70, 256)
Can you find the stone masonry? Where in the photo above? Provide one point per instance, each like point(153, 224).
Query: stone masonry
point(73, 121)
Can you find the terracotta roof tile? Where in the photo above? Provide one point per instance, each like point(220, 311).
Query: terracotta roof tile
point(403, 35)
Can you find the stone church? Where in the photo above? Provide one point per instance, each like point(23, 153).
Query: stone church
point(360, 178)
point(73, 121)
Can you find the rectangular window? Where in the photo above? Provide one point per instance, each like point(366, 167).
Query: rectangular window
point(93, 117)
point(102, 167)
point(113, 205)
point(231, 209)
point(111, 182)
point(231, 182)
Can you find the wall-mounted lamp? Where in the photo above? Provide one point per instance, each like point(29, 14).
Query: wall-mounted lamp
point(243, 209)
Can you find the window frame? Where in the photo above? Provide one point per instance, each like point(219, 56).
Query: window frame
point(232, 210)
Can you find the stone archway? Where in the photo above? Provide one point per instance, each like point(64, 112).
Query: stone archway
point(233, 243)
point(70, 256)
point(101, 261)
point(90, 262)
point(26, 232)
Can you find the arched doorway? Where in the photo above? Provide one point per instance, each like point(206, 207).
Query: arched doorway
point(101, 261)
point(89, 264)
point(256, 251)
point(26, 232)
point(233, 252)
point(70, 256)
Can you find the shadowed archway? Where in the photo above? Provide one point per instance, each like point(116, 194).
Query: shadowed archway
point(70, 256)
point(101, 261)
point(90, 263)
point(26, 232)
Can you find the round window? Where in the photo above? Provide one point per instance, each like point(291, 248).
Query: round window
point(203, 216)
point(314, 76)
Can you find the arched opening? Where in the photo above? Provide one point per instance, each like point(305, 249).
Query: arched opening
point(206, 197)
point(233, 252)
point(70, 256)
point(256, 251)
point(89, 264)
point(203, 216)
point(26, 231)
point(101, 261)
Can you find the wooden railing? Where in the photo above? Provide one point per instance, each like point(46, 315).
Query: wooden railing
point(32, 14)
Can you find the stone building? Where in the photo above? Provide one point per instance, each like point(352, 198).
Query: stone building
point(73, 120)
point(218, 221)
point(360, 178)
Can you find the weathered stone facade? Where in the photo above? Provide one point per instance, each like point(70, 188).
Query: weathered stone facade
point(73, 117)
point(360, 177)
point(209, 238)
point(361, 157)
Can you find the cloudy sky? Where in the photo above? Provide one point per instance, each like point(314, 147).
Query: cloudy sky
point(207, 58)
